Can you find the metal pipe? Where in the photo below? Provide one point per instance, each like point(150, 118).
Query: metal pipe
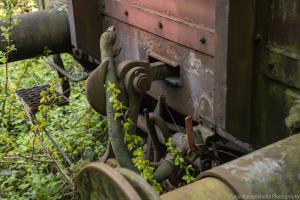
point(37, 32)
point(206, 189)
point(141, 123)
point(66, 73)
point(273, 170)
point(65, 84)
point(165, 168)
point(269, 173)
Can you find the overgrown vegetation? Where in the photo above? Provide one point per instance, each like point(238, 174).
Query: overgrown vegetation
point(40, 154)
point(180, 162)
point(134, 142)
point(39, 161)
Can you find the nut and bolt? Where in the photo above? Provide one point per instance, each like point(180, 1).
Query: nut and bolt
point(142, 82)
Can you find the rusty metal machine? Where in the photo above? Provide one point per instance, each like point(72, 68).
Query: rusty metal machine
point(219, 77)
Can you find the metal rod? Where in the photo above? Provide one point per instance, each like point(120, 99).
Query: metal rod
point(65, 73)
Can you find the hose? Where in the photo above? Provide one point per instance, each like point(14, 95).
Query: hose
point(115, 128)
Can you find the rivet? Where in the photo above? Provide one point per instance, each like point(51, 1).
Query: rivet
point(160, 25)
point(203, 40)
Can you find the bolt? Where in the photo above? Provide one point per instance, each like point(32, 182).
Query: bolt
point(160, 25)
point(142, 83)
point(203, 40)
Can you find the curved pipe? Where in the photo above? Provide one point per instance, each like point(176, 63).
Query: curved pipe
point(165, 168)
point(65, 73)
point(36, 32)
point(115, 128)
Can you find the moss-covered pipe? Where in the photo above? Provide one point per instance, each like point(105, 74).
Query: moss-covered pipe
point(36, 32)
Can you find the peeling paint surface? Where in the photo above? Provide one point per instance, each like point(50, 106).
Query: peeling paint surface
point(271, 170)
point(196, 66)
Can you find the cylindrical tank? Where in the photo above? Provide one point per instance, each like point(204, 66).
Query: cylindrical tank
point(37, 32)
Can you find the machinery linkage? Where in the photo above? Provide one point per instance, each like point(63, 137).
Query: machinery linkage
point(202, 147)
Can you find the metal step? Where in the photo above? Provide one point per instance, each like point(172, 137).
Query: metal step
point(30, 98)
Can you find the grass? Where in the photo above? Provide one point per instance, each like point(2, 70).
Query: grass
point(31, 166)
point(26, 172)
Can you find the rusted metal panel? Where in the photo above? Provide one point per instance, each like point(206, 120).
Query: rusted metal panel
point(239, 67)
point(219, 97)
point(174, 28)
point(206, 91)
point(197, 70)
point(201, 12)
point(85, 26)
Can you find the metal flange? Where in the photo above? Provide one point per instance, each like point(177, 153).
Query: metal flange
point(100, 181)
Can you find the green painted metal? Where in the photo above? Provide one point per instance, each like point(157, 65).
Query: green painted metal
point(115, 128)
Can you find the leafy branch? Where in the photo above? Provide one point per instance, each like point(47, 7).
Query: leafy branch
point(134, 142)
point(180, 162)
point(6, 30)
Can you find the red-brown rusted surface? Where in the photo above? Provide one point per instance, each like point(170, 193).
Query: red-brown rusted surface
point(210, 41)
point(178, 28)
point(197, 70)
point(201, 12)
point(189, 132)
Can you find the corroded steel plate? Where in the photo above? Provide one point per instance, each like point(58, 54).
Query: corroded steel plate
point(201, 12)
point(179, 29)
